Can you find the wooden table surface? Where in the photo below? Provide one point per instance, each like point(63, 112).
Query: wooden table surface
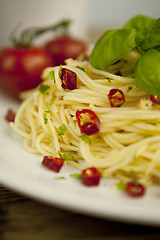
point(22, 218)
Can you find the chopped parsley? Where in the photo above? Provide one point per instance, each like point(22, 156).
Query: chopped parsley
point(147, 136)
point(109, 80)
point(43, 88)
point(131, 171)
point(121, 186)
point(85, 138)
point(62, 129)
point(51, 101)
point(67, 156)
point(76, 175)
point(60, 178)
point(60, 71)
point(129, 89)
point(80, 68)
point(51, 75)
point(45, 118)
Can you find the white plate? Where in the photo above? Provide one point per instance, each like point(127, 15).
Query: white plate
point(23, 172)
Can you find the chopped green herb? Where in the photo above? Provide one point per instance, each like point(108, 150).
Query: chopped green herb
point(43, 88)
point(129, 88)
point(51, 101)
point(76, 175)
point(51, 75)
point(135, 181)
point(147, 136)
point(60, 178)
point(47, 111)
point(60, 154)
point(121, 185)
point(109, 80)
point(62, 129)
point(60, 71)
point(85, 138)
point(68, 156)
point(80, 68)
point(45, 118)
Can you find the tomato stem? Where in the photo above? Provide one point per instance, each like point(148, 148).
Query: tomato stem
point(29, 34)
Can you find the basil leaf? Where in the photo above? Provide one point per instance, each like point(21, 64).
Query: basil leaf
point(111, 46)
point(153, 41)
point(147, 72)
point(143, 26)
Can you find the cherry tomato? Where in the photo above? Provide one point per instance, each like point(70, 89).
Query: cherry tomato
point(20, 68)
point(64, 47)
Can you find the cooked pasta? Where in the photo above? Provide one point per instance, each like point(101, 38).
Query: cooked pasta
point(128, 143)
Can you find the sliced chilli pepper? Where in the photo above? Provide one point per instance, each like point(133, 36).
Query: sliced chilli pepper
point(118, 73)
point(135, 189)
point(116, 98)
point(155, 99)
point(53, 163)
point(69, 79)
point(10, 115)
point(88, 121)
point(90, 177)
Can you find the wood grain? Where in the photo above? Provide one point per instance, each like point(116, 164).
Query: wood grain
point(24, 219)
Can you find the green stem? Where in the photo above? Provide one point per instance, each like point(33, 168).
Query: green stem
point(140, 50)
point(28, 35)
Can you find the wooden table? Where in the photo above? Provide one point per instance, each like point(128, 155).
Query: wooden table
point(22, 218)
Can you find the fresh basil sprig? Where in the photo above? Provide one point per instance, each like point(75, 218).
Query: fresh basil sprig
point(139, 32)
point(148, 31)
point(113, 45)
point(143, 26)
point(153, 41)
point(147, 72)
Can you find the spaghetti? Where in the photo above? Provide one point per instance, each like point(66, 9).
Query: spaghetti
point(128, 143)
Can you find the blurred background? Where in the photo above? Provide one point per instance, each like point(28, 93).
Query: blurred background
point(90, 17)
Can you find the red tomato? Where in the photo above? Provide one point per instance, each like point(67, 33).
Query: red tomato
point(20, 68)
point(64, 47)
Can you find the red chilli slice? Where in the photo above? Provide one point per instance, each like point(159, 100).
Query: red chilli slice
point(90, 177)
point(10, 115)
point(88, 121)
point(135, 189)
point(155, 99)
point(69, 79)
point(118, 73)
point(53, 163)
point(116, 98)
